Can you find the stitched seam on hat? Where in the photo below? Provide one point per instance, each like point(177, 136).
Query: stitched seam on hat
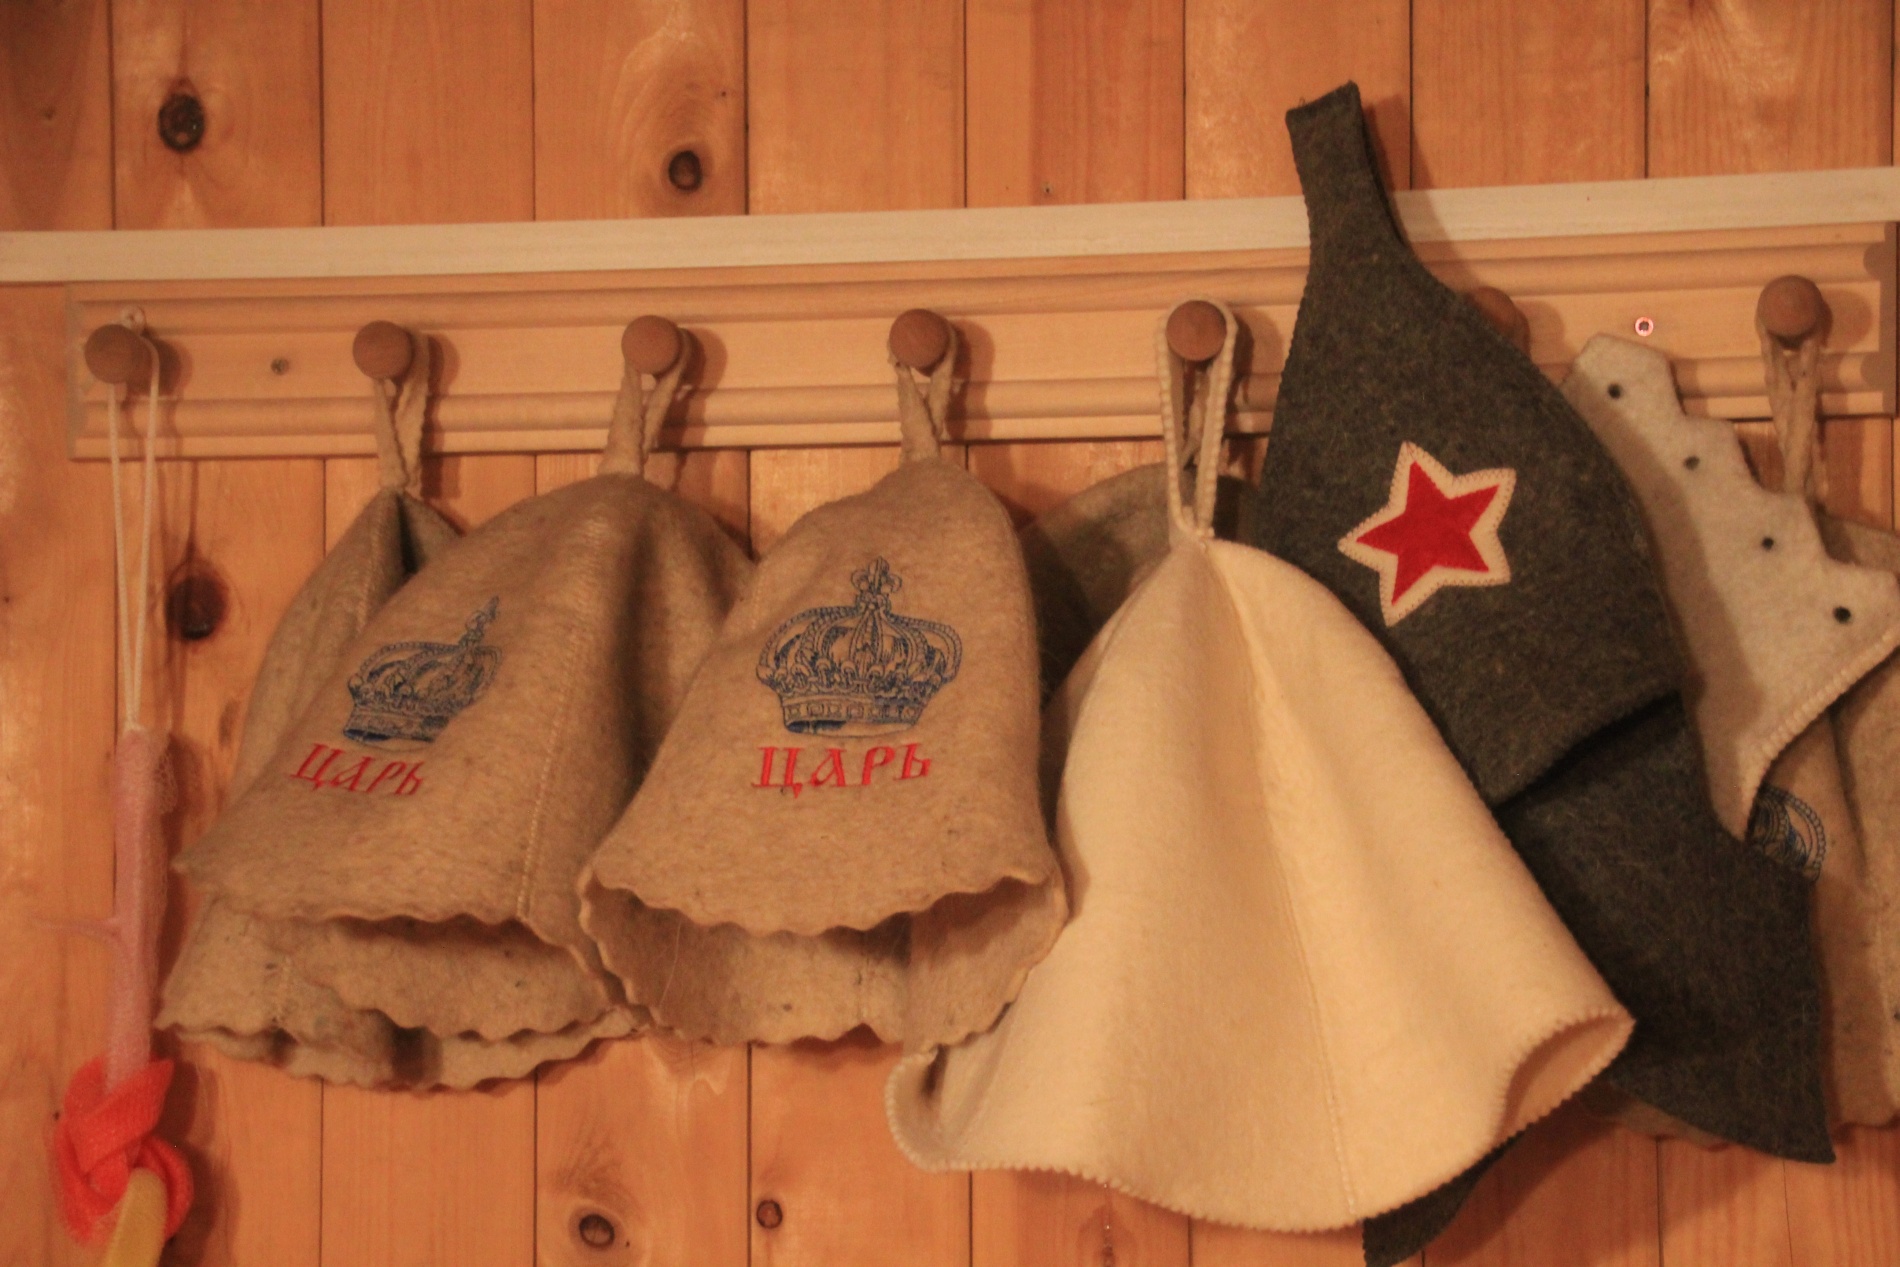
point(524, 891)
point(1293, 915)
point(1761, 756)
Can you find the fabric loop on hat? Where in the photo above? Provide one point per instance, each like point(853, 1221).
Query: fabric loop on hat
point(639, 414)
point(923, 415)
point(1794, 384)
point(1193, 431)
point(400, 408)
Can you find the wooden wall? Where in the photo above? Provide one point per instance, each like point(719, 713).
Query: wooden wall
point(384, 111)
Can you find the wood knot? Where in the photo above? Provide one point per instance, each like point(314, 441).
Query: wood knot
point(195, 602)
point(181, 120)
point(770, 1214)
point(596, 1230)
point(684, 171)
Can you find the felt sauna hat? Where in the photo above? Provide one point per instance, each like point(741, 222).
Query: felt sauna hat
point(1775, 632)
point(1867, 735)
point(1306, 978)
point(842, 828)
point(417, 835)
point(231, 987)
point(1426, 472)
point(1431, 477)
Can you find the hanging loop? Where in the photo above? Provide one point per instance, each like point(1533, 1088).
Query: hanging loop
point(1791, 319)
point(1194, 396)
point(923, 355)
point(398, 362)
point(650, 347)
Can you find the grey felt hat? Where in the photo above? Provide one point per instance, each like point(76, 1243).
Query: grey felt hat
point(1426, 472)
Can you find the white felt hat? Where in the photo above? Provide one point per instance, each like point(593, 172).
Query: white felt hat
point(1306, 978)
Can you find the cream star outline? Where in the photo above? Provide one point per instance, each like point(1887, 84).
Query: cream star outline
point(1484, 533)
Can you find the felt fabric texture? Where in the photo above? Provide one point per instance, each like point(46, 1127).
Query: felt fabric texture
point(1867, 735)
point(842, 828)
point(415, 839)
point(1543, 649)
point(231, 986)
point(1306, 979)
point(1775, 630)
point(1086, 555)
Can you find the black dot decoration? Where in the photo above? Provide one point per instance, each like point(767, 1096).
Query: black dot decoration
point(1843, 615)
point(1616, 391)
point(1691, 462)
point(1767, 543)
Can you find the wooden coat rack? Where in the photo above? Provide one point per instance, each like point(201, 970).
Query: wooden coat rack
point(1056, 308)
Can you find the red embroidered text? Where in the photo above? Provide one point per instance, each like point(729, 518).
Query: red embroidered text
point(836, 767)
point(321, 769)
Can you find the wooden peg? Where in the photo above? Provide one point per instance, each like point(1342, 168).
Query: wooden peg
point(652, 345)
point(382, 350)
point(116, 355)
point(1196, 331)
point(1791, 308)
point(1504, 315)
point(919, 338)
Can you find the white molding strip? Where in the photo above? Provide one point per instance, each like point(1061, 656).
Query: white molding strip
point(1848, 196)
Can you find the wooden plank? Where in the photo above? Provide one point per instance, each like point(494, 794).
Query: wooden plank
point(1574, 1192)
point(57, 697)
point(1847, 1214)
point(1250, 61)
point(1511, 94)
point(1073, 102)
point(854, 107)
point(255, 1133)
point(1502, 214)
point(444, 1176)
point(428, 111)
point(57, 683)
point(55, 116)
point(822, 1152)
point(649, 1134)
point(1748, 86)
point(1758, 86)
point(1858, 455)
point(620, 89)
point(254, 71)
point(1537, 93)
point(1038, 1219)
point(820, 1145)
point(1216, 1246)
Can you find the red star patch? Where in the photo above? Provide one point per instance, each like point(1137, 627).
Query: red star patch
point(1437, 529)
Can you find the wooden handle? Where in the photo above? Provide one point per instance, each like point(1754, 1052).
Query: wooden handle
point(919, 338)
point(1196, 331)
point(1791, 308)
point(382, 350)
point(652, 345)
point(1504, 315)
point(116, 355)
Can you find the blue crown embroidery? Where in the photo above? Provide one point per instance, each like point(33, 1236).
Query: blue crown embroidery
point(411, 690)
point(862, 669)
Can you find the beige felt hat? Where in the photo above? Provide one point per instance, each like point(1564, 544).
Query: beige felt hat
point(842, 828)
point(1867, 734)
point(1776, 631)
point(231, 986)
point(414, 840)
point(1306, 978)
